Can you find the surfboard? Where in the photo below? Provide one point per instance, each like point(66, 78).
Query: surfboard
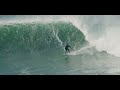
point(71, 53)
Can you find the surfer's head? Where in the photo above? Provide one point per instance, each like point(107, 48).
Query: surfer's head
point(66, 44)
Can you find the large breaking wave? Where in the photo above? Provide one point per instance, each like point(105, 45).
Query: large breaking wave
point(32, 44)
point(101, 31)
point(32, 37)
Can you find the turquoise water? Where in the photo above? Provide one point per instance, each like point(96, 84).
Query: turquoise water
point(31, 45)
point(37, 48)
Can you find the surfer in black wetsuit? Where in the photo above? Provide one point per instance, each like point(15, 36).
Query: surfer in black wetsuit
point(67, 48)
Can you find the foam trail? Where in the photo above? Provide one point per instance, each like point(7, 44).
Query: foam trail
point(80, 51)
point(56, 35)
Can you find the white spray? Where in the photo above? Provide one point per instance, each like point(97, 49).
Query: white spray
point(56, 35)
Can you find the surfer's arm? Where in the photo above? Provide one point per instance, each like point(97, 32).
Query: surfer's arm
point(70, 47)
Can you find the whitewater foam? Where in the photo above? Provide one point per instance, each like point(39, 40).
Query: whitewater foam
point(83, 50)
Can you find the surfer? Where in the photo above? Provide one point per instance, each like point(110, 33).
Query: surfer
point(67, 48)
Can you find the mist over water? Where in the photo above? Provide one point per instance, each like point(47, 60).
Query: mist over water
point(34, 44)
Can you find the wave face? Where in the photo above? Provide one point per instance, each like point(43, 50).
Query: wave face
point(32, 37)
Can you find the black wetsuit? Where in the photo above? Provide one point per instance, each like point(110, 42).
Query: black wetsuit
point(67, 48)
